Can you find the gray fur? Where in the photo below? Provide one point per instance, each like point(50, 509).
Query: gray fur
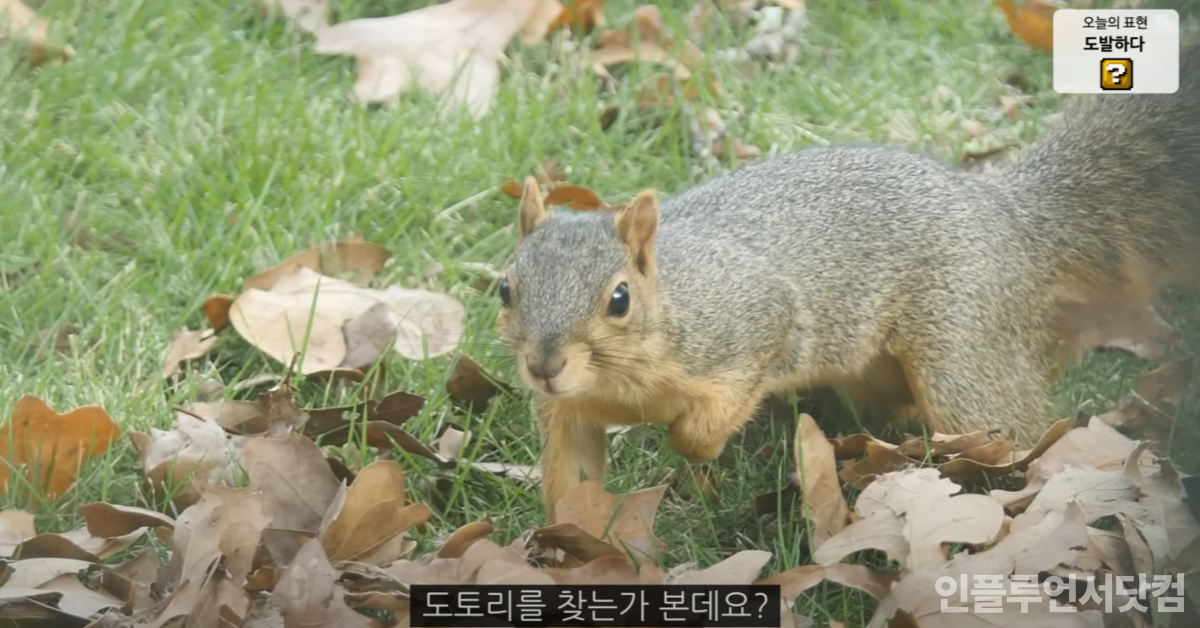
point(813, 262)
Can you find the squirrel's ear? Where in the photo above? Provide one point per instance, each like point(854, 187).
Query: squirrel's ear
point(532, 211)
point(637, 225)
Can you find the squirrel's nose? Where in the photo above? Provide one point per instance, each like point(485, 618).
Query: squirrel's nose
point(548, 367)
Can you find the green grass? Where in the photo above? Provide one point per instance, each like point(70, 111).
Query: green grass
point(200, 144)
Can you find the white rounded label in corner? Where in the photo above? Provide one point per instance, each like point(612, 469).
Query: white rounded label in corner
point(1116, 51)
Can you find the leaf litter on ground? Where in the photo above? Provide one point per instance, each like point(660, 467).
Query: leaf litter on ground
point(318, 303)
point(19, 24)
point(452, 48)
point(239, 553)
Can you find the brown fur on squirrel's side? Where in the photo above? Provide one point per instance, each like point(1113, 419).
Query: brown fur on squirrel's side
point(915, 286)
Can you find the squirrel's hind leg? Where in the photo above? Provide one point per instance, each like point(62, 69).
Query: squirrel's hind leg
point(962, 387)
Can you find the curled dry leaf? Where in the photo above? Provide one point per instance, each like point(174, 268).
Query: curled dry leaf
point(15, 527)
point(968, 468)
point(741, 568)
point(1151, 408)
point(912, 515)
point(78, 544)
point(1058, 538)
point(52, 447)
point(18, 23)
point(1032, 21)
point(581, 16)
point(646, 40)
point(308, 594)
point(59, 575)
point(1098, 445)
point(186, 344)
point(626, 521)
point(109, 520)
point(575, 196)
point(130, 580)
point(216, 310)
point(396, 408)
point(463, 538)
point(880, 457)
point(1097, 492)
point(307, 312)
point(548, 175)
point(274, 413)
point(568, 545)
point(991, 459)
point(822, 502)
point(226, 522)
point(939, 445)
point(182, 461)
point(1161, 503)
point(470, 385)
point(452, 47)
point(450, 447)
point(297, 484)
point(353, 261)
point(370, 523)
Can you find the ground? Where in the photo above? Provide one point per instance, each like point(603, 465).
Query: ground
point(199, 144)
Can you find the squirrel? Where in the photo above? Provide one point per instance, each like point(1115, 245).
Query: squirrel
point(941, 294)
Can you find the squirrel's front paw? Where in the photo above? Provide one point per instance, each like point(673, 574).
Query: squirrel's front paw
point(697, 448)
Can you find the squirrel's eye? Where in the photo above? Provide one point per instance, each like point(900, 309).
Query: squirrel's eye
point(505, 295)
point(618, 305)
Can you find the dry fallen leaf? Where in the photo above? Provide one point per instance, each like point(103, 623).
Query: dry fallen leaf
point(1098, 445)
point(822, 502)
point(1161, 503)
point(453, 46)
point(18, 23)
point(306, 311)
point(1136, 329)
point(111, 520)
point(575, 196)
point(1032, 21)
point(912, 515)
point(1151, 407)
point(181, 461)
point(297, 484)
point(1057, 538)
point(59, 575)
point(15, 527)
point(450, 447)
point(463, 538)
point(939, 445)
point(625, 521)
point(51, 446)
point(274, 413)
point(880, 458)
point(646, 40)
point(741, 568)
point(370, 523)
point(186, 344)
point(710, 135)
point(309, 15)
point(581, 16)
point(216, 310)
point(354, 261)
point(470, 385)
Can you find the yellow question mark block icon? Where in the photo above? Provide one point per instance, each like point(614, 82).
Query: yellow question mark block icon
point(1116, 74)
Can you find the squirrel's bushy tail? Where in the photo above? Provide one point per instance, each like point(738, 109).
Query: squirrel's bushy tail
point(1111, 196)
